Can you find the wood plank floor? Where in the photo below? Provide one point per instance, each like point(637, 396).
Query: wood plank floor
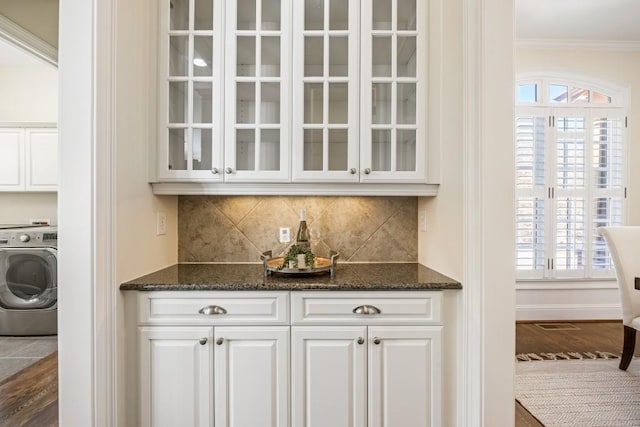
point(30, 397)
point(590, 336)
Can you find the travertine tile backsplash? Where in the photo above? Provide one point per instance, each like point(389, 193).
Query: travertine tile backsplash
point(240, 228)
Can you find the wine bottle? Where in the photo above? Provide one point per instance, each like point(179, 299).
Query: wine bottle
point(302, 238)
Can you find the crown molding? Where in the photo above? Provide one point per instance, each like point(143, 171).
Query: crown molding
point(606, 45)
point(27, 41)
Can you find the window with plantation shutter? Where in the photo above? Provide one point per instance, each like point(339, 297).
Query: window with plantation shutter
point(570, 178)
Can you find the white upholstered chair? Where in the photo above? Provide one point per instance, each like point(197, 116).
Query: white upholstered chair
point(624, 245)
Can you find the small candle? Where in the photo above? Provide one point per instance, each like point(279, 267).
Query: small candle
point(301, 263)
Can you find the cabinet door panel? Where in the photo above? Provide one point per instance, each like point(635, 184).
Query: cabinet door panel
point(393, 96)
point(325, 91)
point(404, 376)
point(42, 155)
point(257, 55)
point(191, 44)
point(252, 376)
point(176, 376)
point(328, 369)
point(12, 154)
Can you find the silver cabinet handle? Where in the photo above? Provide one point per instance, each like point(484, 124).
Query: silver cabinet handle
point(219, 341)
point(215, 171)
point(353, 171)
point(366, 309)
point(367, 171)
point(212, 309)
point(376, 340)
point(360, 340)
point(203, 341)
point(228, 171)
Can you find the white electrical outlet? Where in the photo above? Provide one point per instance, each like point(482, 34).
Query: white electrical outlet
point(285, 234)
point(423, 221)
point(161, 223)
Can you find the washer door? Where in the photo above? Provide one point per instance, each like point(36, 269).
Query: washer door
point(28, 278)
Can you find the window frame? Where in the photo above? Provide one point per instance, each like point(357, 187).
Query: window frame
point(549, 111)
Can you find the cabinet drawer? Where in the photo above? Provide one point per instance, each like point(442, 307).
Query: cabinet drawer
point(389, 308)
point(218, 308)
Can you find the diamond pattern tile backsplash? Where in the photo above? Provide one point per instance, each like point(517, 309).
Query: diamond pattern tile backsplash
point(240, 228)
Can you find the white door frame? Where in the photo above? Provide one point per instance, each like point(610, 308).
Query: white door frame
point(87, 316)
point(86, 206)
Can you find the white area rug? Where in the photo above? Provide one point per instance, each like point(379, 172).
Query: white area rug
point(580, 392)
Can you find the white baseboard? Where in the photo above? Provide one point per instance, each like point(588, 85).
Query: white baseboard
point(567, 300)
point(569, 312)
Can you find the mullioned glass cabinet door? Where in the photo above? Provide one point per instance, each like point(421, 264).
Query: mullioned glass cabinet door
point(325, 90)
point(393, 92)
point(191, 44)
point(257, 110)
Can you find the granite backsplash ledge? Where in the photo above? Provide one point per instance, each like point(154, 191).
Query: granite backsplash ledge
point(240, 228)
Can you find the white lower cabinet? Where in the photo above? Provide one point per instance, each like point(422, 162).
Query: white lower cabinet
point(346, 359)
point(329, 376)
point(251, 372)
point(176, 375)
point(375, 376)
point(404, 376)
point(214, 358)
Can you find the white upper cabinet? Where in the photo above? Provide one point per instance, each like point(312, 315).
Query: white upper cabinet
point(29, 159)
point(12, 155)
point(393, 91)
point(191, 90)
point(257, 83)
point(295, 96)
point(325, 90)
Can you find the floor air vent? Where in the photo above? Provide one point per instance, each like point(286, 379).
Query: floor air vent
point(557, 326)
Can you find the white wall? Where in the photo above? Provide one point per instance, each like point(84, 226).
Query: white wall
point(20, 208)
point(36, 16)
point(586, 300)
point(496, 216)
point(29, 94)
point(138, 250)
point(476, 245)
point(440, 247)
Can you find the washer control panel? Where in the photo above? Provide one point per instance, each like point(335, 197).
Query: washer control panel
point(29, 237)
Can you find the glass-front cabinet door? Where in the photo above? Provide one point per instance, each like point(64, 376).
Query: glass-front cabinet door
point(393, 96)
point(191, 85)
point(325, 90)
point(257, 112)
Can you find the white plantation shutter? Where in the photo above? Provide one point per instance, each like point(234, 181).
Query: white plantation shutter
point(530, 190)
point(568, 191)
point(607, 183)
point(570, 180)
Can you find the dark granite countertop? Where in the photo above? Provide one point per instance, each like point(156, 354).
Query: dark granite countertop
point(240, 277)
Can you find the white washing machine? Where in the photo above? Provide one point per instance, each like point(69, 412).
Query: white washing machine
point(28, 281)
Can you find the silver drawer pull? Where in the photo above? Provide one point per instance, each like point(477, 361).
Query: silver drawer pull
point(212, 309)
point(203, 341)
point(366, 309)
point(219, 341)
point(360, 340)
point(376, 340)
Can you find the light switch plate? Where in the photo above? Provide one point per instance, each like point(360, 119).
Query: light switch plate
point(285, 234)
point(423, 221)
point(161, 223)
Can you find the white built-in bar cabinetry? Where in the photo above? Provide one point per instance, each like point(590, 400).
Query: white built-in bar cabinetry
point(285, 359)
